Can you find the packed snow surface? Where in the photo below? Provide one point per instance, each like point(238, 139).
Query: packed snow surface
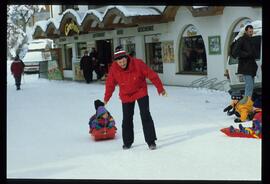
point(47, 135)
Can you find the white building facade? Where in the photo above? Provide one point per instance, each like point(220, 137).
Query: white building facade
point(180, 43)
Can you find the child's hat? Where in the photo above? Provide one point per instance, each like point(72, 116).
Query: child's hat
point(101, 110)
point(98, 103)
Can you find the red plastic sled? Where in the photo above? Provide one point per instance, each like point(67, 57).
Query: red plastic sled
point(237, 133)
point(103, 133)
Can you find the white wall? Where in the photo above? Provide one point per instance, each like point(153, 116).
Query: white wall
point(207, 26)
point(221, 25)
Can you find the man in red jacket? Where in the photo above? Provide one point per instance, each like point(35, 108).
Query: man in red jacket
point(16, 68)
point(130, 74)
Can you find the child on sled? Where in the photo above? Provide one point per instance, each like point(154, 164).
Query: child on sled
point(102, 118)
point(256, 128)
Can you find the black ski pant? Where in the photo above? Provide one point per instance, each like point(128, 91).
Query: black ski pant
point(87, 75)
point(18, 81)
point(147, 121)
point(98, 71)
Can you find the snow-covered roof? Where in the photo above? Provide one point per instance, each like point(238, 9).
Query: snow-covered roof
point(79, 16)
point(95, 13)
point(42, 24)
point(55, 21)
point(33, 56)
point(40, 44)
point(129, 12)
point(198, 7)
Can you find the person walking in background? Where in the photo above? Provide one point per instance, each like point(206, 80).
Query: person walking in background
point(247, 66)
point(86, 67)
point(17, 68)
point(130, 74)
point(95, 63)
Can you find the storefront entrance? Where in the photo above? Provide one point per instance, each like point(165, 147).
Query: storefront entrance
point(68, 57)
point(105, 50)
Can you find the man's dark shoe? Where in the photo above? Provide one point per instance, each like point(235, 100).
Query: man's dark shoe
point(126, 147)
point(152, 146)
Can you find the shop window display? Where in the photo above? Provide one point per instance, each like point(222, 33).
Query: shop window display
point(193, 55)
point(154, 57)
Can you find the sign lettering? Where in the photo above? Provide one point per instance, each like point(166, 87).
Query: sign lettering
point(118, 32)
point(99, 35)
point(146, 28)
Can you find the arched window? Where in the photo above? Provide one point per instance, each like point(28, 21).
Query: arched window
point(192, 53)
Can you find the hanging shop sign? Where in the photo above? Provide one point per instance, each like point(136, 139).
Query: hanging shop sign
point(145, 28)
point(214, 45)
point(54, 72)
point(167, 52)
point(78, 74)
point(71, 27)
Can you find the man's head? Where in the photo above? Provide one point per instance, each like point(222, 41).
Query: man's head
point(17, 57)
point(120, 56)
point(86, 53)
point(249, 30)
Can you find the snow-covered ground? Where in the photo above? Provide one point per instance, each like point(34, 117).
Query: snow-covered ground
point(47, 136)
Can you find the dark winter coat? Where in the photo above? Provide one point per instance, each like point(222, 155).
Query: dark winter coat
point(94, 56)
point(131, 81)
point(85, 63)
point(245, 50)
point(17, 67)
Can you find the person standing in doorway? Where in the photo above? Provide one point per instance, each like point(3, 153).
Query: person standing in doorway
point(130, 74)
point(95, 63)
point(17, 68)
point(247, 66)
point(86, 67)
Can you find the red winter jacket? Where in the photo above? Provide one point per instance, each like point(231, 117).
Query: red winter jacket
point(17, 67)
point(132, 81)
